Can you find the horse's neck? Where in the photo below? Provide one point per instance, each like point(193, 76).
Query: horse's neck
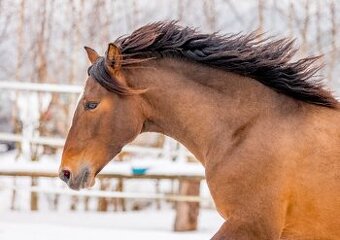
point(199, 106)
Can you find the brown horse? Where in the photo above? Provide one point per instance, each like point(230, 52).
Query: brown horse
point(265, 130)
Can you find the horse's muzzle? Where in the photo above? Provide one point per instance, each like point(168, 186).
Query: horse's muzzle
point(75, 182)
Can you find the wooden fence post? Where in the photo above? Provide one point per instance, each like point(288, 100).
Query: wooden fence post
point(34, 195)
point(103, 202)
point(187, 212)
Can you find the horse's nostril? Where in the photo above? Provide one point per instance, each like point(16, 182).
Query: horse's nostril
point(65, 175)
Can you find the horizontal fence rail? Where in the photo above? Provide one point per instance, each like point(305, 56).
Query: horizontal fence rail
point(41, 87)
point(48, 174)
point(111, 194)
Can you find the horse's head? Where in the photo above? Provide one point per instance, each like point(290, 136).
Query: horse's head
point(105, 119)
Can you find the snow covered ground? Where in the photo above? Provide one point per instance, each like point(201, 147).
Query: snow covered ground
point(146, 224)
point(47, 224)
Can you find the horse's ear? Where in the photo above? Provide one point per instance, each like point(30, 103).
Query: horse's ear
point(113, 56)
point(91, 54)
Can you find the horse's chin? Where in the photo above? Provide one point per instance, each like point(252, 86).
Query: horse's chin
point(91, 182)
point(86, 182)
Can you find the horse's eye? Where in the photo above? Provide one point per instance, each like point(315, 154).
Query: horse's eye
point(91, 105)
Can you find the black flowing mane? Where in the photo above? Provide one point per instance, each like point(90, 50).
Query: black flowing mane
point(265, 60)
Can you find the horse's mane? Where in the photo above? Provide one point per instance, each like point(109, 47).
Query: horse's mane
point(263, 59)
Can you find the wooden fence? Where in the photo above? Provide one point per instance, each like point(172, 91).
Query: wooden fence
point(187, 197)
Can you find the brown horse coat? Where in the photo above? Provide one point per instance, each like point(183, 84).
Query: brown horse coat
point(269, 138)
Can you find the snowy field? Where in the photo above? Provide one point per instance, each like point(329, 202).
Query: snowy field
point(149, 225)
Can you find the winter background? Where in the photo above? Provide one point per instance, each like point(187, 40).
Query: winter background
point(41, 42)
